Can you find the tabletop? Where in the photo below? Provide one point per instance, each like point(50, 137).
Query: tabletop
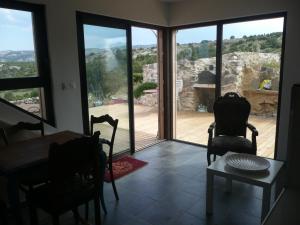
point(31, 152)
point(267, 177)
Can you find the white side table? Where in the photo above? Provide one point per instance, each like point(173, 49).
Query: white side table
point(264, 180)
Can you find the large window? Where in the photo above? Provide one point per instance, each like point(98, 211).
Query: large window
point(24, 64)
point(237, 55)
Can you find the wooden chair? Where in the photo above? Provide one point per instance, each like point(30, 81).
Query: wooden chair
point(114, 124)
point(228, 132)
point(76, 171)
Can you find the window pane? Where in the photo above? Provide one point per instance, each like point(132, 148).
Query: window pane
point(107, 80)
point(195, 83)
point(251, 62)
point(17, 53)
point(27, 99)
point(145, 86)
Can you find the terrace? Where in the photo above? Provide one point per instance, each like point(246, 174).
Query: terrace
point(192, 126)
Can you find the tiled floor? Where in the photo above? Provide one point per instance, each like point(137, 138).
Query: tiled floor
point(170, 190)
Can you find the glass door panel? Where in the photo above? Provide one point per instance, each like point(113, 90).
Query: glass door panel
point(195, 73)
point(251, 61)
point(107, 79)
point(145, 68)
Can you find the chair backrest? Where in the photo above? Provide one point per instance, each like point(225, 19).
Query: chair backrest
point(3, 138)
point(78, 158)
point(231, 115)
point(113, 123)
point(22, 131)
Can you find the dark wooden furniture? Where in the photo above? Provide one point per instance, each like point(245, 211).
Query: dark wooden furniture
point(228, 132)
point(3, 139)
point(21, 158)
point(114, 124)
point(75, 174)
point(3, 213)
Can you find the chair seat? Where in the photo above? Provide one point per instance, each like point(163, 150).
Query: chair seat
point(71, 194)
point(222, 144)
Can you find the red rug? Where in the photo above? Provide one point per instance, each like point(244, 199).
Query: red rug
point(124, 166)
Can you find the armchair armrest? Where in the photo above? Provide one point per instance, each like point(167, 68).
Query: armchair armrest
point(252, 128)
point(211, 127)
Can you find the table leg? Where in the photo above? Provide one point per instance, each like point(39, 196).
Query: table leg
point(228, 185)
point(266, 201)
point(14, 198)
point(209, 192)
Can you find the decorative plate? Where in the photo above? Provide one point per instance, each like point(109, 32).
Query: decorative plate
point(246, 162)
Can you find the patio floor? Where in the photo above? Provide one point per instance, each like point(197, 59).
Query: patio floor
point(191, 126)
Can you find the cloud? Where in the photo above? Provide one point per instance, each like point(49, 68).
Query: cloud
point(7, 13)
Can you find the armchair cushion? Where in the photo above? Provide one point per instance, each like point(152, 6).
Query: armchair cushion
point(222, 144)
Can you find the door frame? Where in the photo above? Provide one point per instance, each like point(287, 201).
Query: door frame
point(103, 21)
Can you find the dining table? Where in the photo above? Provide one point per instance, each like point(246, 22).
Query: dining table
point(23, 157)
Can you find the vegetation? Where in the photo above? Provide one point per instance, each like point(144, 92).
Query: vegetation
point(138, 92)
point(265, 43)
point(106, 75)
point(21, 94)
point(17, 69)
point(107, 70)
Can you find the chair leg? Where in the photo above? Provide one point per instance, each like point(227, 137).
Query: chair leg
point(33, 215)
point(97, 211)
point(3, 213)
point(113, 182)
point(102, 199)
point(208, 159)
point(55, 219)
point(87, 208)
point(76, 215)
point(215, 157)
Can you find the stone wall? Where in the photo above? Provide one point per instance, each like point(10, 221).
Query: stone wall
point(150, 73)
point(242, 72)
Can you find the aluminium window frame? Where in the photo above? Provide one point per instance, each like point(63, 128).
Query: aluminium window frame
point(43, 80)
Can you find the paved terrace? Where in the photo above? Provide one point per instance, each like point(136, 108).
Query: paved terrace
point(191, 126)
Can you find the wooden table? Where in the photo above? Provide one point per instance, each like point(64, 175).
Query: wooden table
point(264, 180)
point(23, 156)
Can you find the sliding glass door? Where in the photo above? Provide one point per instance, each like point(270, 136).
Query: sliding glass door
point(239, 55)
point(106, 76)
point(195, 83)
point(251, 63)
point(146, 86)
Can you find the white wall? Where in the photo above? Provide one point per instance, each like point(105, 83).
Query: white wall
point(195, 11)
point(62, 39)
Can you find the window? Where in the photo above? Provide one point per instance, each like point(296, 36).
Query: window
point(24, 63)
point(236, 55)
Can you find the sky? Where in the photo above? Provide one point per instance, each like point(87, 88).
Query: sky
point(15, 24)
point(194, 35)
point(15, 30)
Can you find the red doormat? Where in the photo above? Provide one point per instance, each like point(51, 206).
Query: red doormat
point(124, 166)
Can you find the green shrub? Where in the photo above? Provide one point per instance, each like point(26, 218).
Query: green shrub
point(137, 78)
point(139, 91)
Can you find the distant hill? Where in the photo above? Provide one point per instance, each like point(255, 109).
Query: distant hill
point(265, 43)
point(17, 56)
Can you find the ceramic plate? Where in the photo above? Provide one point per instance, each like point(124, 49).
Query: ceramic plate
point(247, 162)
